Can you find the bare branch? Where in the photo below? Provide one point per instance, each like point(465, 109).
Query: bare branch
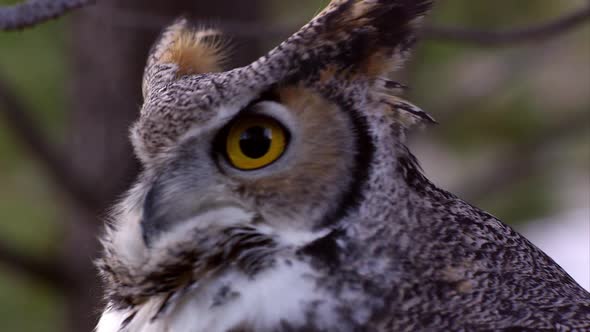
point(36, 11)
point(505, 37)
point(62, 174)
point(29, 13)
point(47, 271)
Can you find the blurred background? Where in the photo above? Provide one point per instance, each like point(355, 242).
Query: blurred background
point(514, 133)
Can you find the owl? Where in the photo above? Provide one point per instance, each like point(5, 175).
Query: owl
point(280, 196)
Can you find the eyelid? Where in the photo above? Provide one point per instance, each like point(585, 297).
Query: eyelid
point(268, 95)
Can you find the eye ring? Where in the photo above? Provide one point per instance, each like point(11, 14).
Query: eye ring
point(255, 141)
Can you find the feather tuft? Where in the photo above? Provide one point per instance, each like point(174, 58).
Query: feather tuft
point(409, 115)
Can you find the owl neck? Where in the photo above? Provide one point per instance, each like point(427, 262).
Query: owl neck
point(393, 194)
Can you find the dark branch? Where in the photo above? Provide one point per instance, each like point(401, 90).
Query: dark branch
point(62, 174)
point(36, 11)
point(29, 13)
point(498, 38)
point(257, 30)
point(47, 271)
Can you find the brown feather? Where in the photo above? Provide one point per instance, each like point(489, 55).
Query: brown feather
point(193, 50)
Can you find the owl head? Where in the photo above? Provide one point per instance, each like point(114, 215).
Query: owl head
point(275, 154)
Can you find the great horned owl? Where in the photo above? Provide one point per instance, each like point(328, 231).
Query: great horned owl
point(280, 197)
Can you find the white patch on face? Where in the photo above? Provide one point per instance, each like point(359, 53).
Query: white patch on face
point(292, 237)
point(227, 216)
point(127, 240)
point(130, 247)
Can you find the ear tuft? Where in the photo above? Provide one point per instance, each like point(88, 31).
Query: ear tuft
point(184, 50)
point(407, 114)
point(358, 39)
point(194, 51)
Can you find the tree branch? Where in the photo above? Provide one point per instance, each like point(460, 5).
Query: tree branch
point(257, 30)
point(62, 174)
point(32, 12)
point(47, 271)
point(514, 36)
point(36, 11)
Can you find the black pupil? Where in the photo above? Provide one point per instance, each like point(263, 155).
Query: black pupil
point(255, 141)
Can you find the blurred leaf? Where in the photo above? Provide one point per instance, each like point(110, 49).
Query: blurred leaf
point(529, 199)
point(28, 307)
point(33, 61)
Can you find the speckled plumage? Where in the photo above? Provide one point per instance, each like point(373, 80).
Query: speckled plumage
point(342, 233)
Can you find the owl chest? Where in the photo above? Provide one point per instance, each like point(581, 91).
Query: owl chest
point(284, 295)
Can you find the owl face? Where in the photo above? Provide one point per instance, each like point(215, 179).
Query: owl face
point(286, 157)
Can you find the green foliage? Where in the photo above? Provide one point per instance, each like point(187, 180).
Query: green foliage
point(492, 99)
point(33, 61)
point(493, 124)
point(26, 305)
point(529, 199)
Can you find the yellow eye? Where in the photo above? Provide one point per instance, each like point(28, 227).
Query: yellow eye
point(254, 142)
